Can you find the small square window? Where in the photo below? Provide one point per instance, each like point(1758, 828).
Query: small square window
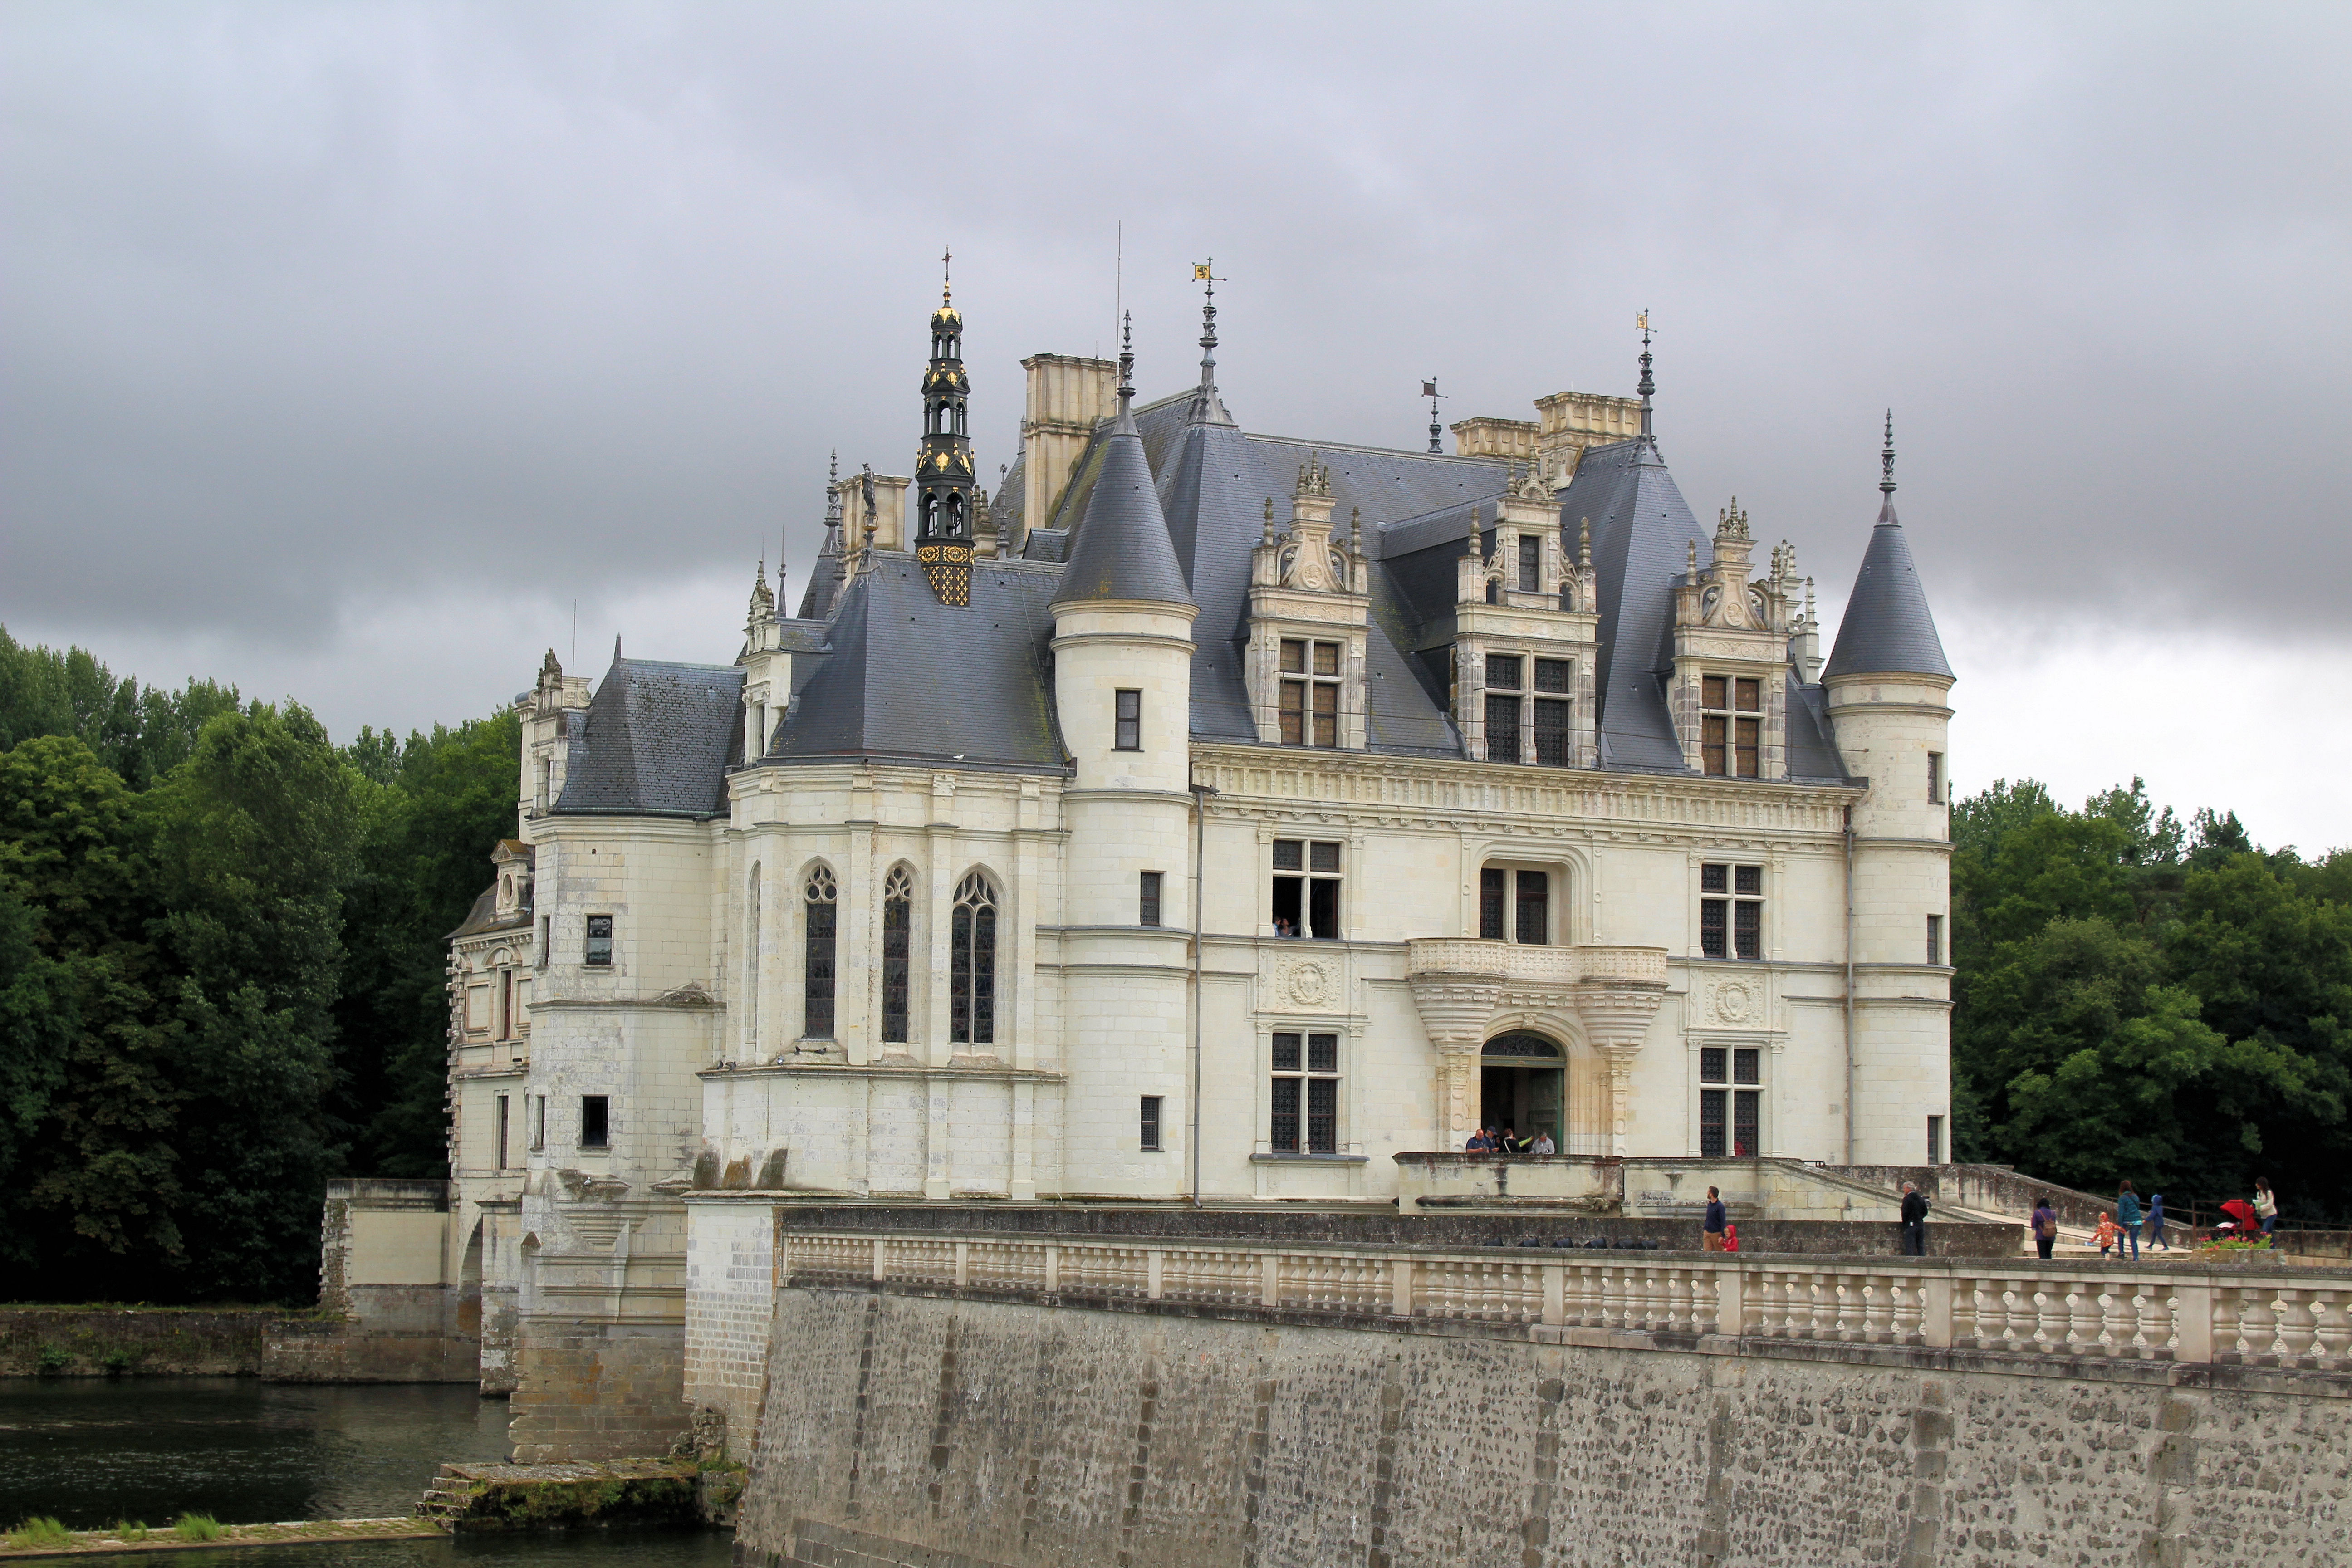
point(1750, 696)
point(1285, 1053)
point(1711, 878)
point(598, 952)
point(1322, 1053)
point(1289, 854)
point(1554, 674)
point(1503, 670)
point(1747, 1066)
point(1714, 1064)
point(1293, 657)
point(596, 1121)
point(1324, 856)
point(1747, 880)
point(1149, 1140)
point(1326, 658)
point(1712, 693)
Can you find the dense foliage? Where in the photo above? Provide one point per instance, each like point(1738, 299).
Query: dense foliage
point(220, 973)
point(2147, 1000)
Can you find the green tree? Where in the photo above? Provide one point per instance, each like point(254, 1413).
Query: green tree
point(255, 844)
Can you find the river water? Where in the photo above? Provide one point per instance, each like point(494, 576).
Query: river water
point(93, 1451)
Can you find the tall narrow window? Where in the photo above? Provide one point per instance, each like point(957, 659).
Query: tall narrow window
point(506, 1002)
point(1731, 725)
point(1148, 901)
point(1552, 713)
point(1309, 706)
point(1530, 564)
point(1935, 1139)
point(1149, 1140)
point(1492, 891)
point(821, 901)
point(1305, 1095)
point(751, 961)
point(1729, 1115)
point(505, 1107)
point(1127, 722)
point(597, 953)
point(1934, 939)
point(1731, 911)
point(1307, 889)
point(538, 958)
point(897, 933)
point(971, 964)
point(1935, 778)
point(1533, 921)
point(538, 1123)
point(1505, 671)
point(596, 1121)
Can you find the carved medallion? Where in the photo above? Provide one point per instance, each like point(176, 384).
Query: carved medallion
point(1735, 1002)
point(1307, 984)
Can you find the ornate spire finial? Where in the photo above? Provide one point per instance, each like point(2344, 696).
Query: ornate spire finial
point(1205, 274)
point(1692, 566)
point(833, 493)
point(1269, 537)
point(1126, 359)
point(1886, 458)
point(1647, 386)
point(1429, 390)
point(947, 278)
point(1584, 544)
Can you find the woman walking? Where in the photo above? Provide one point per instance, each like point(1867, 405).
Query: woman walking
point(2127, 1221)
point(2265, 1204)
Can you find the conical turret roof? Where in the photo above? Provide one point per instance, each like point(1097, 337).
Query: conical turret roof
point(1888, 629)
point(1122, 551)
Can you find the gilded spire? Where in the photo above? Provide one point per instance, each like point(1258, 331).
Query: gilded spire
point(1208, 408)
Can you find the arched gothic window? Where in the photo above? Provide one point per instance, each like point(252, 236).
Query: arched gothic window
point(971, 964)
point(751, 961)
point(897, 927)
point(823, 899)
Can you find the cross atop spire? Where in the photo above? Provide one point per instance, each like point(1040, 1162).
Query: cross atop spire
point(946, 277)
point(1886, 457)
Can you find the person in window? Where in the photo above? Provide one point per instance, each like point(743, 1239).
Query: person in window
point(1510, 1142)
point(1480, 1143)
point(1710, 1230)
point(1543, 1143)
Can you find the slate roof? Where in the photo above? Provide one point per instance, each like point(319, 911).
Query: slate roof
point(1122, 551)
point(657, 741)
point(823, 590)
point(1887, 629)
point(484, 917)
point(910, 678)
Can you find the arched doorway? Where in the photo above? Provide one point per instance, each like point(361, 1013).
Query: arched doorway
point(1522, 1084)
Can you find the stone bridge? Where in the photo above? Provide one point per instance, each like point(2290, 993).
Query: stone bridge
point(959, 1398)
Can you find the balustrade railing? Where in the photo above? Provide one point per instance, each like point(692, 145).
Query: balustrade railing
point(2298, 1320)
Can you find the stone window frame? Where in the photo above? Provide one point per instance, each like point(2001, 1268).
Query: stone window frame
point(810, 870)
point(1740, 1057)
point(1311, 681)
point(1731, 716)
point(1532, 655)
point(1303, 1071)
point(1569, 867)
point(1732, 897)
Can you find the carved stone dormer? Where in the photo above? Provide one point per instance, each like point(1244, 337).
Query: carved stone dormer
point(1732, 648)
point(1525, 621)
point(1309, 609)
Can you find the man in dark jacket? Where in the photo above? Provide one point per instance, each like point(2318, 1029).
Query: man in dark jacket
point(1915, 1223)
point(1710, 1237)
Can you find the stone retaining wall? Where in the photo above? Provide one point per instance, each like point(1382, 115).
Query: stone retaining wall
point(968, 1433)
point(96, 1341)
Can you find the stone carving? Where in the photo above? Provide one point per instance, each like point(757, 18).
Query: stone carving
point(1736, 1001)
point(1307, 984)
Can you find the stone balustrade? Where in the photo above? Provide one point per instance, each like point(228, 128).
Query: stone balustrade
point(2298, 1318)
point(1513, 961)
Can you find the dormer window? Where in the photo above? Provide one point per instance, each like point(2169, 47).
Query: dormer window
point(1503, 674)
point(1731, 725)
point(1310, 692)
point(1530, 564)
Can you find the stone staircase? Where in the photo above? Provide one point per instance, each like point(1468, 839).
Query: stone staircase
point(447, 1497)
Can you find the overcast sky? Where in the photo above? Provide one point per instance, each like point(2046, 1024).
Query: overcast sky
point(344, 347)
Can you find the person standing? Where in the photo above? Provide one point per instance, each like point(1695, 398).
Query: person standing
point(2105, 1234)
point(2266, 1204)
point(1710, 1230)
point(1915, 1222)
point(2126, 1221)
point(1543, 1145)
point(2045, 1226)
point(2155, 1222)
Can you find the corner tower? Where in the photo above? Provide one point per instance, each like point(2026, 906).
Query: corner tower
point(943, 470)
point(1122, 652)
point(1889, 703)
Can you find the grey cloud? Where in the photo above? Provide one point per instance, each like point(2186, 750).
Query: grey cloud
point(312, 305)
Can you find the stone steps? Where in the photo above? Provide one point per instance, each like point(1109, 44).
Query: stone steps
point(446, 1498)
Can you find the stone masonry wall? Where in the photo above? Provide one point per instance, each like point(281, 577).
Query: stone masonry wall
point(597, 1391)
point(907, 1430)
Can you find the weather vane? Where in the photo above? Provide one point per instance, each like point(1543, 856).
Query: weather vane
point(946, 264)
point(1429, 390)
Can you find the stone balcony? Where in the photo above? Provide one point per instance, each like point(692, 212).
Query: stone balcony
point(1512, 963)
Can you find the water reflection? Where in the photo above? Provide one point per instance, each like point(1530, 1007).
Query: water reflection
point(91, 1451)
